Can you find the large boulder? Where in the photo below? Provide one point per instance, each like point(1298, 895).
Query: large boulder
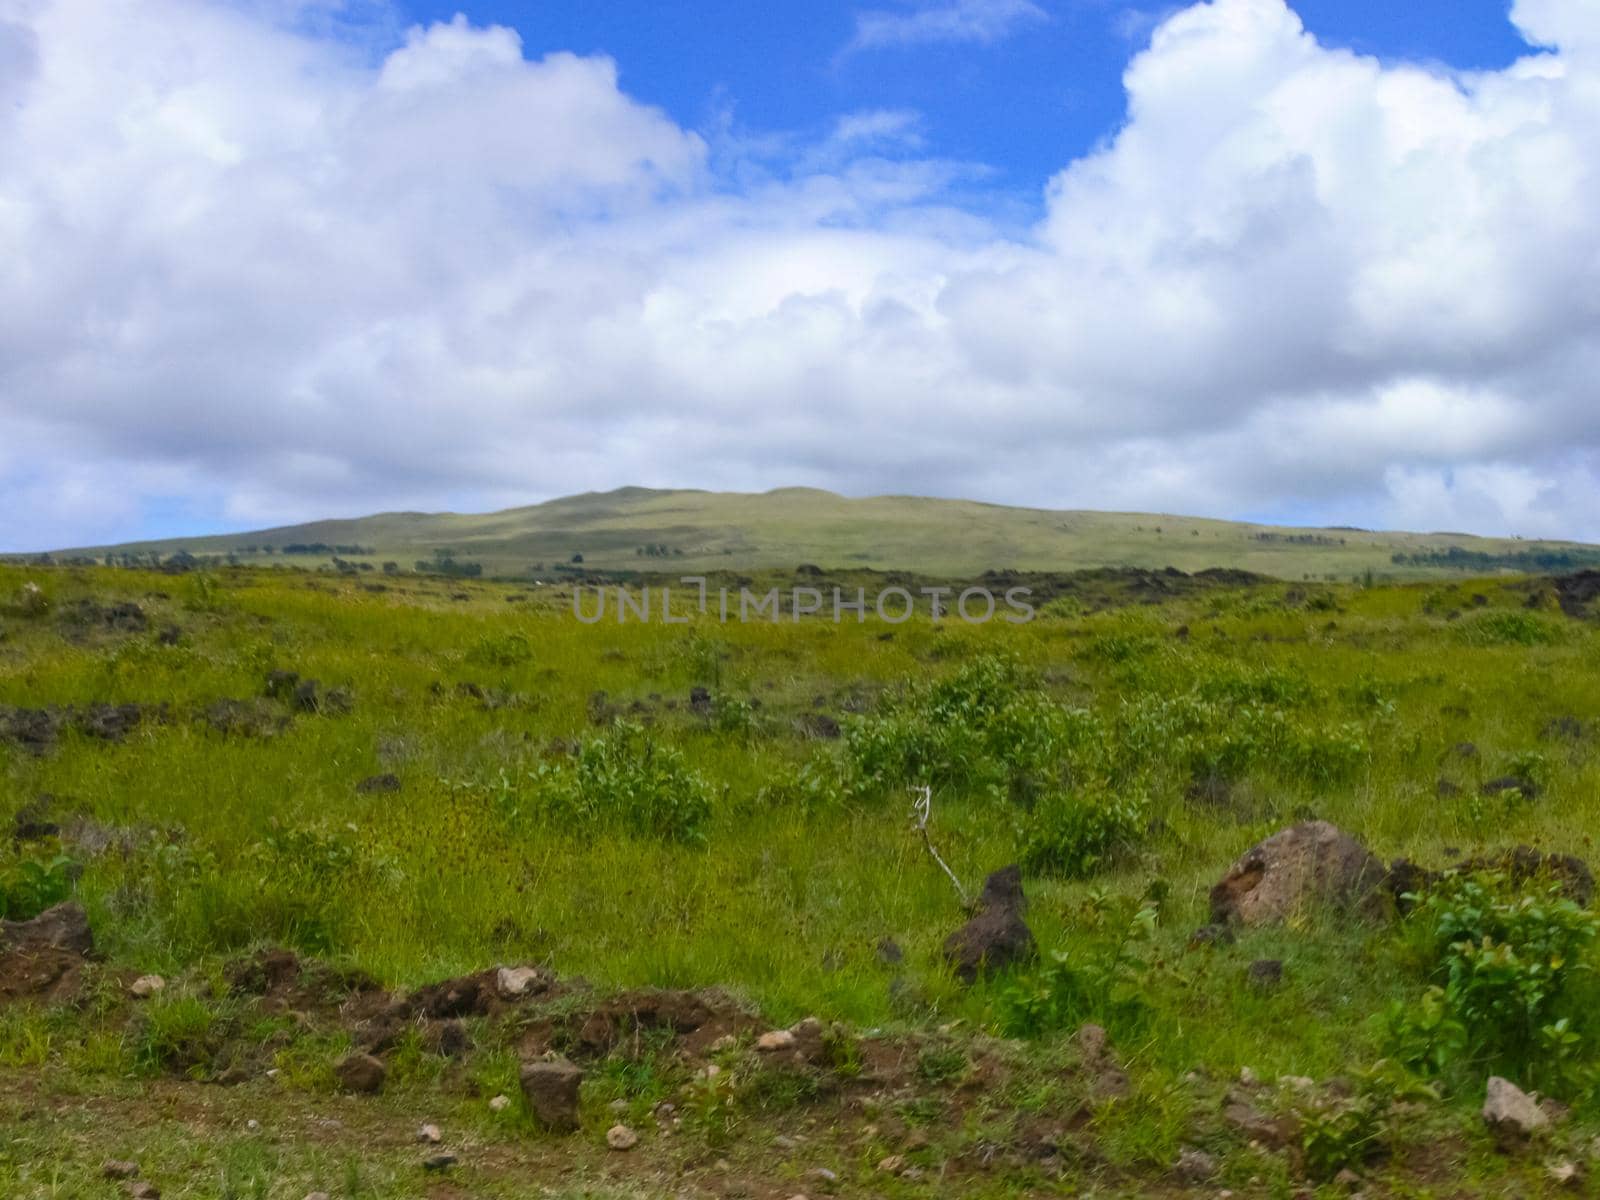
point(1310, 865)
point(996, 936)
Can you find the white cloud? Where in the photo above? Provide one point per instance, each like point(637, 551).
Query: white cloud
point(981, 21)
point(253, 274)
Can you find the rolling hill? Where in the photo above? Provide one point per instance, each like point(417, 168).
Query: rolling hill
point(690, 531)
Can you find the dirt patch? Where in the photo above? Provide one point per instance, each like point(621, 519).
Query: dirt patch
point(44, 958)
point(284, 982)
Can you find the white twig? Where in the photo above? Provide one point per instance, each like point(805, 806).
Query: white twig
point(921, 810)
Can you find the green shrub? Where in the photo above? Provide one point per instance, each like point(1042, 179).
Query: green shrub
point(626, 782)
point(501, 650)
point(1508, 628)
point(29, 887)
point(1512, 985)
point(1102, 979)
point(1348, 1132)
point(1074, 834)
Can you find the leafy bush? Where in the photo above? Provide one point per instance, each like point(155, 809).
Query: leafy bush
point(626, 782)
point(1340, 1132)
point(29, 887)
point(1503, 628)
point(1513, 984)
point(1074, 834)
point(501, 650)
point(1101, 979)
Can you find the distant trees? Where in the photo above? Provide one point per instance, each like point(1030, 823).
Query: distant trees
point(1517, 560)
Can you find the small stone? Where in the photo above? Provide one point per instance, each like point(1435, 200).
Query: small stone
point(513, 982)
point(893, 1164)
point(1347, 1179)
point(430, 1135)
point(775, 1040)
point(140, 1189)
point(499, 1103)
point(146, 986)
point(1265, 974)
point(1247, 1077)
point(1300, 1083)
point(317, 1196)
point(1563, 1173)
point(1195, 1166)
point(784, 1143)
point(117, 1168)
point(619, 1105)
point(253, 1125)
point(439, 1162)
point(912, 1174)
point(724, 1043)
point(822, 1175)
point(360, 1073)
point(1510, 1113)
point(620, 1137)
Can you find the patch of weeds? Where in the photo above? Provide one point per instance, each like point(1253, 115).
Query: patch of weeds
point(1101, 978)
point(1508, 628)
point(177, 1033)
point(1349, 1132)
point(1074, 834)
point(501, 650)
point(627, 782)
point(779, 1088)
point(26, 1036)
point(941, 1065)
point(709, 1107)
point(32, 885)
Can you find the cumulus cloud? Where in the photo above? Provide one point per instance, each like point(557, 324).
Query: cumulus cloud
point(254, 274)
point(979, 21)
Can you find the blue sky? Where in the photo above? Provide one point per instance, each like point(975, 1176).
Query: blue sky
point(1024, 104)
point(1324, 262)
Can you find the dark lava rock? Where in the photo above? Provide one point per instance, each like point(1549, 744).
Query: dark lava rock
point(1566, 728)
point(379, 783)
point(280, 684)
point(700, 701)
point(32, 822)
point(996, 936)
point(1512, 783)
point(245, 718)
point(1265, 973)
point(35, 730)
point(1212, 935)
point(1521, 865)
point(360, 1073)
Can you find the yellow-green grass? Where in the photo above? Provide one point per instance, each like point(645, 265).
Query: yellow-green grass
point(236, 842)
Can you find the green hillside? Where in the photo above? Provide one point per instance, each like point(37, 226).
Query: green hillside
point(642, 528)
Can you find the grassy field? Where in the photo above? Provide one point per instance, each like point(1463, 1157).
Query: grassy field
point(641, 528)
point(727, 806)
